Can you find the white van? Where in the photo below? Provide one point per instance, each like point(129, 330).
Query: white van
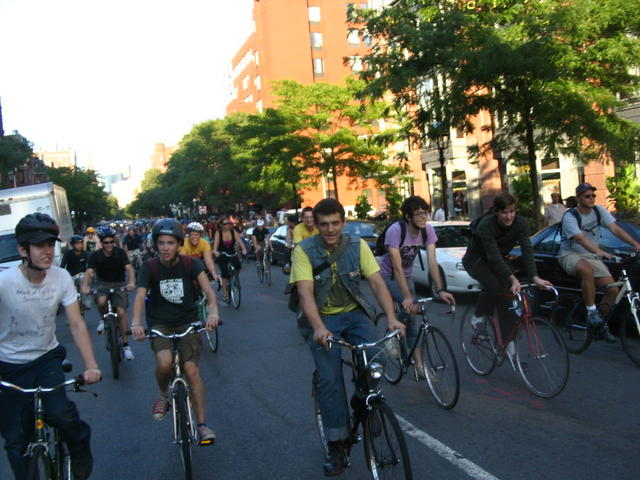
point(15, 203)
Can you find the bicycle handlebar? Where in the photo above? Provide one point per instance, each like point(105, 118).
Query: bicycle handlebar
point(76, 382)
point(422, 301)
point(331, 339)
point(153, 333)
point(531, 285)
point(109, 291)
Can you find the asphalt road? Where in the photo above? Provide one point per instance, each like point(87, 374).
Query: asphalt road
point(258, 402)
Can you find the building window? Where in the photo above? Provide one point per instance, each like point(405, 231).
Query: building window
point(366, 39)
point(257, 58)
point(318, 67)
point(316, 40)
point(248, 99)
point(314, 14)
point(257, 82)
point(353, 37)
point(356, 63)
point(245, 82)
point(259, 106)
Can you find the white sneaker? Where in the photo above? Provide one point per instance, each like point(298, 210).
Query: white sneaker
point(128, 354)
point(100, 329)
point(477, 322)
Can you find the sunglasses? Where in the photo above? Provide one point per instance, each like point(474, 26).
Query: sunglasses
point(108, 243)
point(420, 214)
point(226, 223)
point(591, 195)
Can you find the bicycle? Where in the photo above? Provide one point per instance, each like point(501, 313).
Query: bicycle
point(184, 424)
point(538, 344)
point(570, 315)
point(385, 447)
point(234, 281)
point(438, 367)
point(203, 312)
point(112, 336)
point(47, 454)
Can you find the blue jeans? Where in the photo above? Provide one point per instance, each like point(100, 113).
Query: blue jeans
point(413, 324)
point(354, 327)
point(16, 409)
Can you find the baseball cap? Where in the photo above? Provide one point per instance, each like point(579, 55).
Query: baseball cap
point(584, 187)
point(260, 223)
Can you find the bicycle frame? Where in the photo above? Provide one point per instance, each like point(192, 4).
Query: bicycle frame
point(178, 377)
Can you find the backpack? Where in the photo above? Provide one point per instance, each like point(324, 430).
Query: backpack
point(473, 226)
point(154, 268)
point(574, 211)
point(380, 248)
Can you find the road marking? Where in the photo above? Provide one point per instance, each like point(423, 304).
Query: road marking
point(467, 466)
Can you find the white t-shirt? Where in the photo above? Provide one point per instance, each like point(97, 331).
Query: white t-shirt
point(28, 313)
point(590, 229)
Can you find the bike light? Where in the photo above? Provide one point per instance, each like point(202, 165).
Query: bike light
point(460, 266)
point(375, 372)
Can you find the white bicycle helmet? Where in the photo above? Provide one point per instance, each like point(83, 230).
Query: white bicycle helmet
point(195, 227)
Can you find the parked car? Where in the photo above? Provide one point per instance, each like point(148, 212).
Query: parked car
point(279, 245)
point(453, 239)
point(365, 230)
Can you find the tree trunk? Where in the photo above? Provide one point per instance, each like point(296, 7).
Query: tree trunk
point(335, 182)
point(533, 171)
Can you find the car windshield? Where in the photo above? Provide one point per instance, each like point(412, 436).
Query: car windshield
point(360, 229)
point(8, 250)
point(612, 243)
point(453, 236)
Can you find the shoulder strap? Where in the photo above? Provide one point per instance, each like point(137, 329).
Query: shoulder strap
point(154, 269)
point(403, 232)
point(335, 255)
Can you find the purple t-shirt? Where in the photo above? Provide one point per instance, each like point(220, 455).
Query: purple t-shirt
point(408, 251)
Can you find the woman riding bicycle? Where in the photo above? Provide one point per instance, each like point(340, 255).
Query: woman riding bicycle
point(493, 237)
point(225, 241)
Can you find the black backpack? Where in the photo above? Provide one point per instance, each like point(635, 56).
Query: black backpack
point(574, 211)
point(380, 248)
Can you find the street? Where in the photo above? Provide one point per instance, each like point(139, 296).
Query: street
point(259, 404)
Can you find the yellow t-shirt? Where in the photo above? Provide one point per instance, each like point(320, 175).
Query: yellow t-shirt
point(300, 232)
point(339, 300)
point(197, 251)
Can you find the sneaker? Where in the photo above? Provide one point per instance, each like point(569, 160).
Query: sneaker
point(100, 329)
point(593, 318)
point(128, 354)
point(336, 461)
point(206, 436)
point(81, 461)
point(160, 408)
point(607, 336)
point(478, 323)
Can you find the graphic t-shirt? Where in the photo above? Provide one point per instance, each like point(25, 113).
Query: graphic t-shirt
point(109, 268)
point(408, 251)
point(28, 313)
point(171, 293)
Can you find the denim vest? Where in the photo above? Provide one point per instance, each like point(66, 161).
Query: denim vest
point(349, 272)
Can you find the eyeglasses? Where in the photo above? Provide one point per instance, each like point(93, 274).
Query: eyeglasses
point(420, 214)
point(226, 223)
point(104, 242)
point(591, 195)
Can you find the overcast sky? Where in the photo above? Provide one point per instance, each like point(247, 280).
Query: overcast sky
point(111, 79)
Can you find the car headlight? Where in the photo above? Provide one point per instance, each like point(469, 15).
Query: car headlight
point(460, 266)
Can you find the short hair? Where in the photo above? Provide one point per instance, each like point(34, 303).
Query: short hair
point(412, 204)
point(293, 218)
point(307, 209)
point(328, 206)
point(504, 200)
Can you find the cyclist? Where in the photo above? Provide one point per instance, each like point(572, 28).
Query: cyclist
point(305, 229)
point(493, 237)
point(259, 240)
point(580, 252)
point(172, 308)
point(30, 354)
point(397, 264)
point(110, 264)
point(75, 259)
point(132, 242)
point(291, 225)
point(225, 240)
point(334, 305)
point(197, 247)
point(91, 240)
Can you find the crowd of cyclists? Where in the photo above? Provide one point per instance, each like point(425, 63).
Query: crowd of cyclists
point(168, 262)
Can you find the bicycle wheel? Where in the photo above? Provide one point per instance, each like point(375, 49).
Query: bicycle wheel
point(234, 291)
point(260, 271)
point(385, 448)
point(316, 413)
point(570, 316)
point(267, 270)
point(183, 428)
point(212, 339)
point(440, 368)
point(113, 345)
point(477, 344)
point(630, 333)
point(393, 352)
point(39, 465)
point(542, 358)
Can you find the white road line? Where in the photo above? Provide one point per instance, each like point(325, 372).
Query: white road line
point(467, 466)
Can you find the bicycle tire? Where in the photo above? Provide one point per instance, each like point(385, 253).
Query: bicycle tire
point(260, 271)
point(542, 359)
point(385, 448)
point(324, 442)
point(476, 345)
point(440, 368)
point(570, 316)
point(184, 428)
point(267, 270)
point(212, 339)
point(111, 332)
point(393, 370)
point(39, 465)
point(629, 333)
point(234, 291)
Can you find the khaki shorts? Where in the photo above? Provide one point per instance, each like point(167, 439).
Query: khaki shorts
point(118, 299)
point(569, 261)
point(190, 346)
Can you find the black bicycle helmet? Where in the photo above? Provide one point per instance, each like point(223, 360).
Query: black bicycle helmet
point(36, 228)
point(104, 232)
point(75, 239)
point(167, 226)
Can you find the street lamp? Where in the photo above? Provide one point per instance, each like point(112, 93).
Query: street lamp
point(442, 143)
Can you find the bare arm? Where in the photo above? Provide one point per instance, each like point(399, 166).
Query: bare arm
point(591, 246)
point(131, 274)
point(208, 261)
point(434, 273)
point(216, 244)
point(213, 317)
point(86, 281)
point(383, 296)
point(137, 330)
point(401, 280)
point(236, 235)
point(619, 232)
point(82, 340)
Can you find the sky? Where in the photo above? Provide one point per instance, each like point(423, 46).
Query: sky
point(111, 79)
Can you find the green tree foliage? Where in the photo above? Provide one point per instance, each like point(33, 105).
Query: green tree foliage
point(85, 194)
point(151, 179)
point(362, 208)
point(551, 72)
point(15, 150)
point(625, 191)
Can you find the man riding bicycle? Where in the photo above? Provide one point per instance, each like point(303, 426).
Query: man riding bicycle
point(171, 309)
point(197, 247)
point(110, 264)
point(30, 354)
point(260, 240)
point(495, 236)
point(580, 253)
point(334, 305)
point(307, 228)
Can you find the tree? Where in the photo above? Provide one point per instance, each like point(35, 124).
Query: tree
point(362, 208)
point(625, 191)
point(151, 179)
point(15, 150)
point(550, 72)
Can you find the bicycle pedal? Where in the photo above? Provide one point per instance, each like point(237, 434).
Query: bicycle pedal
point(206, 443)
